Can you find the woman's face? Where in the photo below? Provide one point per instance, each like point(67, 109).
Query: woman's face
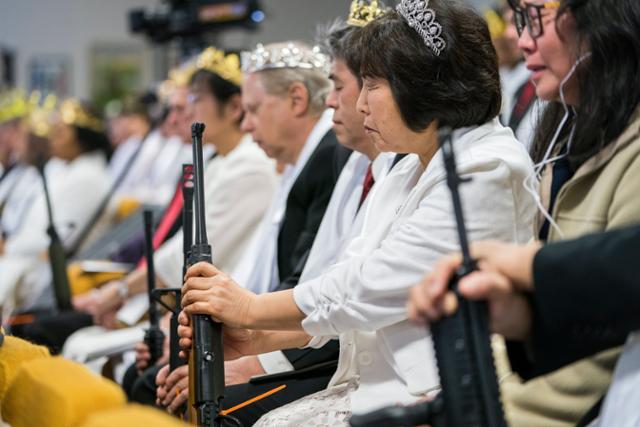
point(63, 141)
point(383, 122)
point(207, 109)
point(551, 56)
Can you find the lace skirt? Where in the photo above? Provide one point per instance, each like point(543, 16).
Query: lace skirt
point(326, 408)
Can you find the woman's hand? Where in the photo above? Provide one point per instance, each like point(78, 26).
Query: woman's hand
point(238, 342)
point(209, 291)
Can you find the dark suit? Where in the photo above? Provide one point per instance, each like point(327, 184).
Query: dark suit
point(585, 301)
point(306, 204)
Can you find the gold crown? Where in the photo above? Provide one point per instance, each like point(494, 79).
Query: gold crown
point(181, 75)
point(74, 114)
point(13, 105)
point(361, 13)
point(42, 111)
point(496, 24)
point(226, 66)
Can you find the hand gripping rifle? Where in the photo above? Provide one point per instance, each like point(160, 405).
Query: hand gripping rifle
point(206, 365)
point(57, 255)
point(470, 396)
point(153, 337)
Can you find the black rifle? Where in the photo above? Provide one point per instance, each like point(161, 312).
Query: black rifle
point(57, 255)
point(470, 395)
point(206, 367)
point(153, 337)
point(187, 230)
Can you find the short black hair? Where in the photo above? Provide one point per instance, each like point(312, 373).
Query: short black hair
point(460, 87)
point(336, 42)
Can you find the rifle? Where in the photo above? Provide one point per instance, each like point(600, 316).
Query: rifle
point(153, 337)
point(206, 364)
point(470, 396)
point(57, 255)
point(187, 230)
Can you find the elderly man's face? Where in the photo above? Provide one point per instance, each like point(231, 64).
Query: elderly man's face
point(268, 118)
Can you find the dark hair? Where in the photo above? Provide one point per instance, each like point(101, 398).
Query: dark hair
point(609, 87)
point(221, 89)
point(335, 41)
point(460, 87)
point(91, 140)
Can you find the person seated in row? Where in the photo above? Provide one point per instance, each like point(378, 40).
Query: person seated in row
point(409, 222)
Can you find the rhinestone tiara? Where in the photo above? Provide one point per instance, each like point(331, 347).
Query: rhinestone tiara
point(423, 19)
point(284, 55)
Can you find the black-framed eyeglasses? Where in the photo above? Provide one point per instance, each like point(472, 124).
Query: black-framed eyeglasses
point(530, 16)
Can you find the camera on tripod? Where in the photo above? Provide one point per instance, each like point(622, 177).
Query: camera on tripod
point(188, 18)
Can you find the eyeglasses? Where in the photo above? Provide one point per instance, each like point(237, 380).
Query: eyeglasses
point(531, 16)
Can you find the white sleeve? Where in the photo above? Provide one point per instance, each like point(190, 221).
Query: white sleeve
point(168, 261)
point(369, 292)
point(275, 362)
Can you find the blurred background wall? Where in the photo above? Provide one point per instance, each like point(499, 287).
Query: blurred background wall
point(84, 47)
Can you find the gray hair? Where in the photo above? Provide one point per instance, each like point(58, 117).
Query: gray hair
point(277, 81)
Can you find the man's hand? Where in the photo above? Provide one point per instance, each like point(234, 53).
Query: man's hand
point(241, 370)
point(209, 291)
point(173, 388)
point(515, 262)
point(509, 310)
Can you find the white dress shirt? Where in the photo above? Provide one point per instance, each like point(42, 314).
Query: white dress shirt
point(258, 269)
point(511, 80)
point(238, 189)
point(341, 222)
point(20, 188)
point(122, 155)
point(409, 224)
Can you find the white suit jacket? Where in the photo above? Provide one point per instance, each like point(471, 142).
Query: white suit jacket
point(409, 225)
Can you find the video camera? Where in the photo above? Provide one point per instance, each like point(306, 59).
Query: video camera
point(188, 18)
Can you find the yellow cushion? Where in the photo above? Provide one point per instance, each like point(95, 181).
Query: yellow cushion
point(13, 354)
point(56, 392)
point(132, 416)
point(82, 281)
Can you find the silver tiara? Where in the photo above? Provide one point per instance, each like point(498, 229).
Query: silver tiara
point(423, 19)
point(284, 55)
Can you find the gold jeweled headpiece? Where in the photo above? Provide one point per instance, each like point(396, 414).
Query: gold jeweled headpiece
point(74, 114)
point(226, 66)
point(284, 55)
point(362, 12)
point(42, 112)
point(13, 105)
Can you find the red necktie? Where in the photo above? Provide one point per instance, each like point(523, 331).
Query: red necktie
point(166, 222)
point(527, 93)
point(368, 183)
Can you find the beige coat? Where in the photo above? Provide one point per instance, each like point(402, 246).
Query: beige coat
point(603, 194)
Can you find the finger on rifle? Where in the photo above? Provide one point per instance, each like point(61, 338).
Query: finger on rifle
point(180, 399)
point(194, 296)
point(485, 285)
point(202, 269)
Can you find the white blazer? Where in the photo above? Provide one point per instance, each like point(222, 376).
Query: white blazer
point(409, 225)
point(76, 191)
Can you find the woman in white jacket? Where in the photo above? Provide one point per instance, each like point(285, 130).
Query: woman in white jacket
point(80, 152)
point(414, 81)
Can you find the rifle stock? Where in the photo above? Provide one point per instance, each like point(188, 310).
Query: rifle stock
point(206, 364)
point(57, 255)
point(470, 395)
